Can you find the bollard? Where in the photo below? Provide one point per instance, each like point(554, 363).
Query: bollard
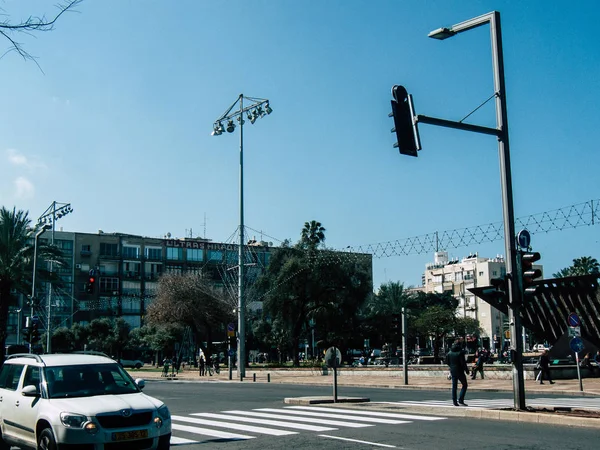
point(268, 378)
point(254, 377)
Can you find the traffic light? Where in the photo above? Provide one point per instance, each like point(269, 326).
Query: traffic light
point(529, 274)
point(396, 324)
point(405, 128)
point(35, 332)
point(27, 330)
point(91, 283)
point(497, 290)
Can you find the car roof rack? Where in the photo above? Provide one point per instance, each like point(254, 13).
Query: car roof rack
point(91, 352)
point(38, 358)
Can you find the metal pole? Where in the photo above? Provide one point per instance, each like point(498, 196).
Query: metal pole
point(35, 242)
point(49, 300)
point(404, 362)
point(514, 291)
point(578, 371)
point(241, 302)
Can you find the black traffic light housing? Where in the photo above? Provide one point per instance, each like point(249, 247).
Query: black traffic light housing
point(91, 283)
point(529, 274)
point(396, 324)
point(405, 128)
point(35, 332)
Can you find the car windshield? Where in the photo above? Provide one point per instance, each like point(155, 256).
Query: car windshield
point(88, 380)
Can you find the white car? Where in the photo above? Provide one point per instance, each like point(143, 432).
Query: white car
point(132, 363)
point(78, 401)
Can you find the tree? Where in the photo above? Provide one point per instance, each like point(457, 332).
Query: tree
point(191, 299)
point(16, 262)
point(303, 283)
point(586, 265)
point(312, 235)
point(30, 25)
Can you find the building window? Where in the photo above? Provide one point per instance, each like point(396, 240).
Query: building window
point(153, 253)
point(195, 254)
point(175, 254)
point(215, 255)
point(481, 273)
point(86, 248)
point(232, 257)
point(108, 249)
point(494, 273)
point(109, 284)
point(131, 252)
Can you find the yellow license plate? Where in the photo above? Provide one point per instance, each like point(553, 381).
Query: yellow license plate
point(129, 435)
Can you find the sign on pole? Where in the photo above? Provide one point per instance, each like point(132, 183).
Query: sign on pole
point(573, 320)
point(230, 329)
point(576, 344)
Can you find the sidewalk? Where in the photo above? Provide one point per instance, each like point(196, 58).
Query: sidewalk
point(591, 386)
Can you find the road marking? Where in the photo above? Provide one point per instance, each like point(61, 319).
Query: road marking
point(366, 413)
point(233, 426)
point(376, 444)
point(298, 426)
point(182, 441)
point(585, 403)
point(209, 432)
point(335, 423)
point(319, 416)
point(324, 412)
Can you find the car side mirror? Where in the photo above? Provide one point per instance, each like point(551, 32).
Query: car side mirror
point(140, 383)
point(30, 391)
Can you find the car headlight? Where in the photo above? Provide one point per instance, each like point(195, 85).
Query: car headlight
point(70, 420)
point(164, 413)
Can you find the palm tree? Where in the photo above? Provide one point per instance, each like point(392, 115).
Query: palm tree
point(312, 235)
point(585, 265)
point(16, 262)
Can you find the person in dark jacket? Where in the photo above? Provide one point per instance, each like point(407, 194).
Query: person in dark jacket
point(478, 364)
point(544, 365)
point(459, 371)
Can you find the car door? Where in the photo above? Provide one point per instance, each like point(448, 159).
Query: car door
point(26, 407)
point(10, 378)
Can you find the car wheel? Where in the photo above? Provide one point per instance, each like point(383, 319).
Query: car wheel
point(138, 366)
point(46, 440)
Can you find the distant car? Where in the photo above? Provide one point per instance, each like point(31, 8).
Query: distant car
point(77, 401)
point(539, 347)
point(132, 363)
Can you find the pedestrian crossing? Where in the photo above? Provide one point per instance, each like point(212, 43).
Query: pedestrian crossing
point(591, 403)
point(236, 425)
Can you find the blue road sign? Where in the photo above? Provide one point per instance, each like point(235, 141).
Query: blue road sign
point(231, 352)
point(576, 344)
point(231, 327)
point(573, 320)
point(524, 239)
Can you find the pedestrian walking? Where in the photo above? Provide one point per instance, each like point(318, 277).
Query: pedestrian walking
point(478, 364)
point(459, 371)
point(202, 363)
point(544, 366)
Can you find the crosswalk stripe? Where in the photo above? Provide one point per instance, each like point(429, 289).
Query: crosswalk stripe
point(366, 413)
point(316, 420)
point(335, 416)
point(209, 432)
point(297, 426)
point(182, 441)
point(586, 403)
point(233, 426)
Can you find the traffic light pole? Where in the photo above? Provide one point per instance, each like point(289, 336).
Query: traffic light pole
point(515, 297)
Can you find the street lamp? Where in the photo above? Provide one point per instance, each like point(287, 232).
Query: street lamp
point(254, 111)
point(514, 291)
point(44, 228)
point(49, 218)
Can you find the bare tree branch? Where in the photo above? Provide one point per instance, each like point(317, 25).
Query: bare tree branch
point(32, 24)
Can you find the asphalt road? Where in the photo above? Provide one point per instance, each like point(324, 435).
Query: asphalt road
point(209, 406)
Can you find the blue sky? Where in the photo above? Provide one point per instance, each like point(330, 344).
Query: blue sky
point(118, 123)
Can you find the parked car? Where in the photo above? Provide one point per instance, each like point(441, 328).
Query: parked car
point(539, 347)
point(132, 363)
point(77, 401)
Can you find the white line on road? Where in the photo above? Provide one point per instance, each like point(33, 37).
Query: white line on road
point(325, 412)
point(209, 432)
point(276, 423)
point(182, 441)
point(283, 417)
point(316, 419)
point(233, 426)
point(366, 413)
point(358, 441)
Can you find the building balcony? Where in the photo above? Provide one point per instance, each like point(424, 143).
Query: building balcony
point(85, 253)
point(115, 256)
